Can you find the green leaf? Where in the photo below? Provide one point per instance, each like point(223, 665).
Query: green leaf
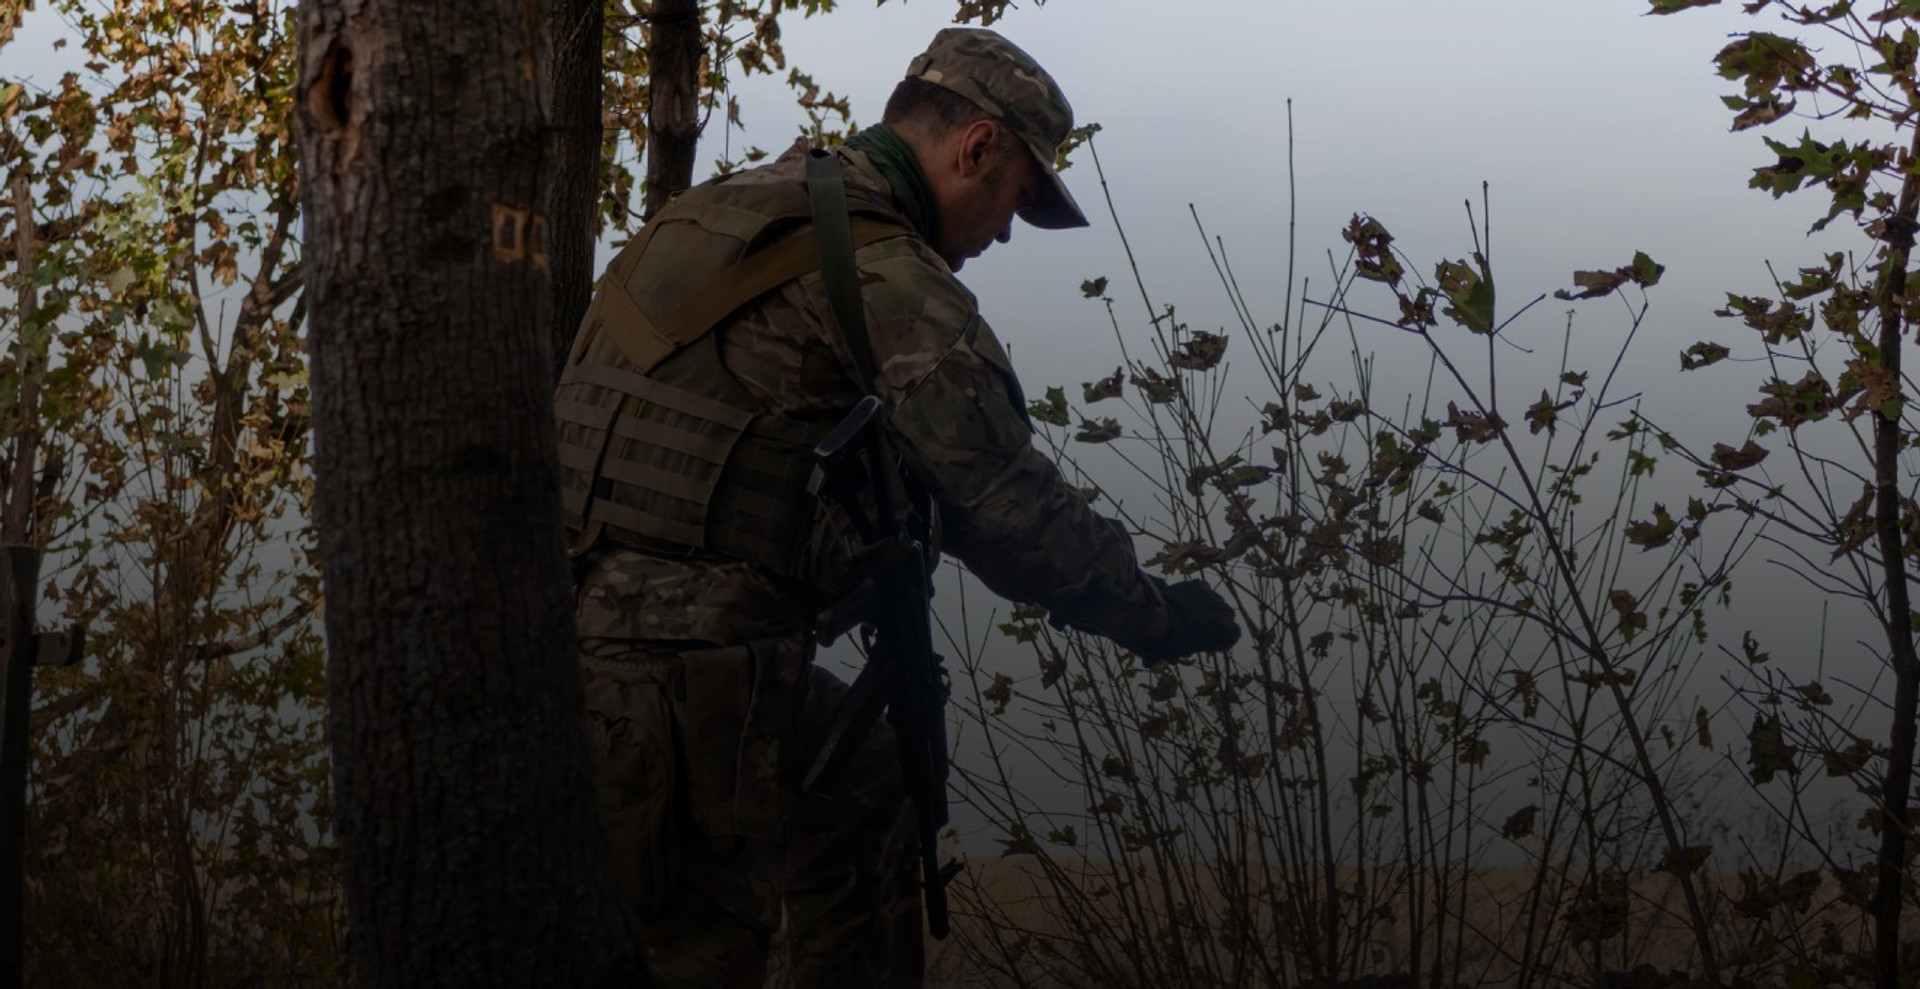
point(1728, 458)
point(1373, 250)
point(1676, 6)
point(1519, 824)
point(1018, 842)
point(1844, 169)
point(1019, 631)
point(1474, 427)
point(1763, 111)
point(1107, 387)
point(1644, 270)
point(1814, 693)
point(1545, 414)
point(1650, 535)
point(1101, 431)
point(1201, 352)
point(1769, 752)
point(1848, 761)
point(1767, 62)
point(1808, 400)
point(1701, 355)
point(1685, 861)
point(1157, 388)
point(155, 357)
point(1470, 293)
point(1787, 322)
point(1473, 751)
point(1053, 411)
point(1591, 285)
point(1632, 619)
point(1244, 476)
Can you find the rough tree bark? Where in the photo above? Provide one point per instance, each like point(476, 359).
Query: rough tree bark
point(470, 845)
point(577, 32)
point(1890, 880)
point(673, 101)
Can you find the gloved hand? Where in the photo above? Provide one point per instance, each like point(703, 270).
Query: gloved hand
point(1198, 620)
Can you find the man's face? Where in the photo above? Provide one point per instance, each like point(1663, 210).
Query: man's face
point(982, 207)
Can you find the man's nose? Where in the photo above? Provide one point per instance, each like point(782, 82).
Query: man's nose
point(1005, 234)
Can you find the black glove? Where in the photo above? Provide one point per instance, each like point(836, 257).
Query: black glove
point(1198, 620)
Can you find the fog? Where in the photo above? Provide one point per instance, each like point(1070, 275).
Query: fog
point(1577, 132)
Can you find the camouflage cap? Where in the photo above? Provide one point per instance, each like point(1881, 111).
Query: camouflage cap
point(995, 75)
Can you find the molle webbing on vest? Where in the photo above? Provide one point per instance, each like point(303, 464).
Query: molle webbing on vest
point(660, 447)
point(672, 471)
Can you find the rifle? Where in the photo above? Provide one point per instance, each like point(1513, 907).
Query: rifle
point(903, 674)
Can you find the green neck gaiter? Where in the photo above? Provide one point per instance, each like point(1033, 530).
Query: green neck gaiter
point(897, 162)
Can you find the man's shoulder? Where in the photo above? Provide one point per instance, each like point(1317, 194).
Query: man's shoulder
point(903, 278)
point(777, 187)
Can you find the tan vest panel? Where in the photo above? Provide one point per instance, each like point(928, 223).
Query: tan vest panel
point(660, 448)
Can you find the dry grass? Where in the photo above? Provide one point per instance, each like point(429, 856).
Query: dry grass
point(1022, 922)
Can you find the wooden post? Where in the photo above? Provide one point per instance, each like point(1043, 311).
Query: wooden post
point(19, 576)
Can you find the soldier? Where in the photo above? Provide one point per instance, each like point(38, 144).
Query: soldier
point(707, 368)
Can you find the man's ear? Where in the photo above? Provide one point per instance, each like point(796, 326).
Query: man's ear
point(978, 144)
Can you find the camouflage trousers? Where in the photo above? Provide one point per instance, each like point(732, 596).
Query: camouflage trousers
point(702, 750)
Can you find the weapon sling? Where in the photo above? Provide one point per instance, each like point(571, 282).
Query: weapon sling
point(902, 670)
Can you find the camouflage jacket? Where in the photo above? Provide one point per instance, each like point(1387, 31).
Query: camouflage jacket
point(1005, 509)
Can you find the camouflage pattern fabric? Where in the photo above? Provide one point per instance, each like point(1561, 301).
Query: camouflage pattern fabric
point(701, 695)
point(1006, 510)
point(1005, 82)
point(711, 836)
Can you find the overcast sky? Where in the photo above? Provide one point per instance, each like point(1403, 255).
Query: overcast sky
point(1599, 130)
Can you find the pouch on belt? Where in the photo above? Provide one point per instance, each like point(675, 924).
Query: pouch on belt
point(629, 714)
point(738, 732)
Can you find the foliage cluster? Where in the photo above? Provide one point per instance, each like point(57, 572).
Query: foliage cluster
point(178, 802)
point(155, 413)
point(1455, 663)
point(1473, 617)
point(1468, 639)
point(740, 39)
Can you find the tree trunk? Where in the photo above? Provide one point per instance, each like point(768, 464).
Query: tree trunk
point(673, 99)
point(470, 848)
point(1890, 876)
point(576, 29)
point(17, 587)
point(17, 521)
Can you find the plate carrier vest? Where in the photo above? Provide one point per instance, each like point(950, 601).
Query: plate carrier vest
point(661, 449)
